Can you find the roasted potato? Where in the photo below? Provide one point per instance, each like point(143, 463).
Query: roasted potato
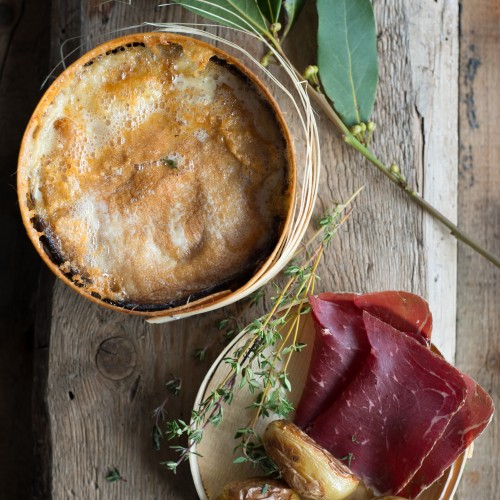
point(258, 488)
point(309, 469)
point(361, 493)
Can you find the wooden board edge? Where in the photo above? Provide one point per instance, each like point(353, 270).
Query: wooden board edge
point(42, 442)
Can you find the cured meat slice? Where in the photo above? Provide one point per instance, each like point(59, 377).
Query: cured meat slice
point(337, 298)
point(465, 426)
point(340, 349)
point(341, 346)
point(392, 413)
point(404, 311)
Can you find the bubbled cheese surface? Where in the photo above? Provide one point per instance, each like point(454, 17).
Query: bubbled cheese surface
point(157, 172)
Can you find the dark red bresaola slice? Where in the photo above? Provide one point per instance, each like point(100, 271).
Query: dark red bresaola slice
point(341, 346)
point(465, 426)
point(390, 416)
point(404, 311)
point(340, 349)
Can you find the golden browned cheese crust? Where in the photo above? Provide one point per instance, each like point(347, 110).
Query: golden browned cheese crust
point(156, 172)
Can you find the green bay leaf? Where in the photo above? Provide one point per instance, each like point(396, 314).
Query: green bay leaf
point(270, 9)
point(347, 57)
point(243, 14)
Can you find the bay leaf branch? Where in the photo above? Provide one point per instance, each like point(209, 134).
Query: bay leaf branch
point(347, 57)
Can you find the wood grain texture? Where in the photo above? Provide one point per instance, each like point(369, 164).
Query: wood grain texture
point(390, 243)
point(478, 342)
point(100, 414)
point(433, 53)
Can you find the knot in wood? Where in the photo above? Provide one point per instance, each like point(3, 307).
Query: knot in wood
point(116, 358)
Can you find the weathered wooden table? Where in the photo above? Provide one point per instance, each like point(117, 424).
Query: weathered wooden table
point(99, 375)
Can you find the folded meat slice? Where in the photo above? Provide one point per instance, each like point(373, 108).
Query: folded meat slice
point(404, 311)
point(390, 416)
point(465, 426)
point(340, 349)
point(341, 346)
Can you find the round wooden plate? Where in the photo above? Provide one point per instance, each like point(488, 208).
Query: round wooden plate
point(214, 466)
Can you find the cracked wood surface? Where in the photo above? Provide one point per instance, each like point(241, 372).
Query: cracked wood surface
point(98, 405)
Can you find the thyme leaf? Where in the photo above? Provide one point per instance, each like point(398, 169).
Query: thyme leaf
point(114, 475)
point(200, 353)
point(170, 162)
point(260, 364)
point(174, 385)
point(348, 459)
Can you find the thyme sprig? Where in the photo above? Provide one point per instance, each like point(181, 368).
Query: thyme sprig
point(159, 415)
point(229, 327)
point(114, 475)
point(174, 385)
point(261, 364)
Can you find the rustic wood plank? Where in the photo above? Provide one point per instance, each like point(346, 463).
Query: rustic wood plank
point(100, 414)
point(23, 62)
point(391, 245)
point(83, 339)
point(478, 346)
point(433, 54)
point(42, 442)
point(65, 35)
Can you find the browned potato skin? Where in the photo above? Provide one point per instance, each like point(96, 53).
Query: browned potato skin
point(252, 489)
point(309, 469)
point(369, 496)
